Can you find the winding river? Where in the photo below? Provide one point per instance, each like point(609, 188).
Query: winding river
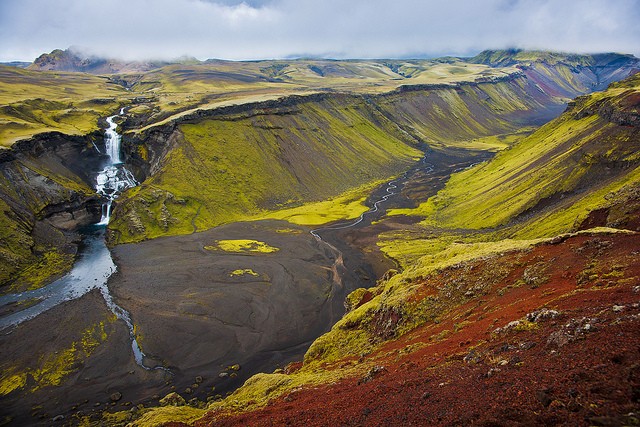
point(94, 265)
point(391, 190)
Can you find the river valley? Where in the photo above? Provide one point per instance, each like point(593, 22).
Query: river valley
point(208, 319)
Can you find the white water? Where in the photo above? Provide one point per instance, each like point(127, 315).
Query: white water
point(114, 178)
point(95, 265)
point(112, 140)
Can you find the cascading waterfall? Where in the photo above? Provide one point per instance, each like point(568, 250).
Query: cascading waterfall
point(112, 140)
point(114, 178)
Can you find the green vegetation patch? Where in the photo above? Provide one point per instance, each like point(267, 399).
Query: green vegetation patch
point(241, 245)
point(242, 272)
point(348, 205)
point(54, 367)
point(39, 274)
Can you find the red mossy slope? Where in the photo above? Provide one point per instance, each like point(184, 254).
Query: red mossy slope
point(573, 357)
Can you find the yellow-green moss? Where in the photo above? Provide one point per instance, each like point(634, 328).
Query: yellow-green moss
point(348, 205)
point(10, 382)
point(261, 388)
point(162, 415)
point(241, 245)
point(52, 368)
point(242, 272)
point(37, 275)
point(355, 298)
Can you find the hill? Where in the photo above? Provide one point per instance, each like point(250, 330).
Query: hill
point(74, 60)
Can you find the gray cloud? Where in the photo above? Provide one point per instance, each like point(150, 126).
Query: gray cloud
point(258, 29)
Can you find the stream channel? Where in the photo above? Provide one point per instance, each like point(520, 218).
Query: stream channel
point(94, 265)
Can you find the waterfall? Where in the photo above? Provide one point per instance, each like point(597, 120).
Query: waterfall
point(114, 178)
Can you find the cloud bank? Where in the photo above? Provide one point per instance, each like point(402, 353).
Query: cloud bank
point(265, 29)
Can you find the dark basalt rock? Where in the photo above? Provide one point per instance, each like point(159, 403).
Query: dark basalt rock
point(46, 186)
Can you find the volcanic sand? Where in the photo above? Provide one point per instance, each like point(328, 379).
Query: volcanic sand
point(199, 309)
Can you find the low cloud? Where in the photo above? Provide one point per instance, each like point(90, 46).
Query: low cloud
point(260, 29)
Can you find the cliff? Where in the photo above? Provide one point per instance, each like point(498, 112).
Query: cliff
point(45, 195)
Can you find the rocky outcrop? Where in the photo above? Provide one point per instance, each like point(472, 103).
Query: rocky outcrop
point(46, 194)
point(622, 111)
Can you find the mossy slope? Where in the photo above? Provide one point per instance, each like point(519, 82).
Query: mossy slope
point(566, 169)
point(234, 163)
point(241, 165)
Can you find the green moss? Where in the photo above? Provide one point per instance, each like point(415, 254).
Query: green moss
point(52, 368)
point(242, 272)
point(575, 211)
point(355, 298)
point(348, 205)
point(162, 415)
point(37, 275)
point(261, 388)
point(524, 325)
point(241, 245)
point(340, 342)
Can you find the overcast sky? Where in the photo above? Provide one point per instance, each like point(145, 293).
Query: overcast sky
point(260, 29)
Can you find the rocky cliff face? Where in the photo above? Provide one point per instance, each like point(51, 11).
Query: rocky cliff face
point(45, 195)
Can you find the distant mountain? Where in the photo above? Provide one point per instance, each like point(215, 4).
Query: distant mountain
point(599, 69)
point(73, 60)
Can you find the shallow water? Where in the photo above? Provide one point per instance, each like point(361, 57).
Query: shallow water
point(91, 271)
